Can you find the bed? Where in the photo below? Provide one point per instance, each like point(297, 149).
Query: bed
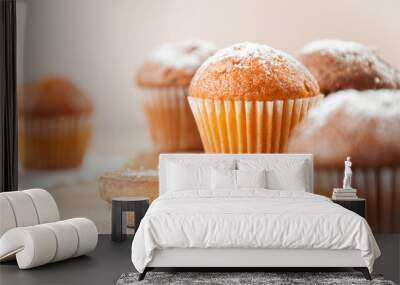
point(245, 211)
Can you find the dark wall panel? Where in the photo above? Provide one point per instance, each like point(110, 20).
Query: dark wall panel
point(8, 98)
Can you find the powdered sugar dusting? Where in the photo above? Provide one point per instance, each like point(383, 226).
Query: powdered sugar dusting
point(241, 52)
point(187, 55)
point(352, 52)
point(345, 49)
point(380, 105)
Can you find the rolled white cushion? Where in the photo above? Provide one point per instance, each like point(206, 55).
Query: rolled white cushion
point(41, 244)
point(7, 218)
point(33, 246)
point(46, 207)
point(67, 239)
point(26, 208)
point(87, 234)
point(23, 208)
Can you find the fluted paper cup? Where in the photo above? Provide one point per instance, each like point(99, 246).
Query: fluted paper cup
point(379, 186)
point(53, 143)
point(170, 120)
point(230, 126)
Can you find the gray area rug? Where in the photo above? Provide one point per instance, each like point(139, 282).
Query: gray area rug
point(228, 278)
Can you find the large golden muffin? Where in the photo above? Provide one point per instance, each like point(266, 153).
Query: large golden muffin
point(339, 65)
point(364, 125)
point(54, 124)
point(164, 79)
point(248, 97)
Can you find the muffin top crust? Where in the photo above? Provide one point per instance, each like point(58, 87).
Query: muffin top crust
point(339, 65)
point(250, 71)
point(362, 124)
point(52, 97)
point(174, 64)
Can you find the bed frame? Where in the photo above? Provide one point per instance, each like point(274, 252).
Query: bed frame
point(237, 259)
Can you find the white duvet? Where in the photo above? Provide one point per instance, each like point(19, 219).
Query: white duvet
point(250, 219)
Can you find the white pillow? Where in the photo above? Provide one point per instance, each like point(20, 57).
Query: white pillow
point(223, 179)
point(193, 173)
point(294, 181)
point(281, 174)
point(187, 177)
point(251, 178)
point(226, 179)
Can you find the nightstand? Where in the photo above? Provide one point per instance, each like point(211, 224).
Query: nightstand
point(121, 205)
point(358, 205)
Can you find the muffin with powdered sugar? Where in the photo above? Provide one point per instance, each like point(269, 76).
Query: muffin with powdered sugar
point(164, 79)
point(248, 98)
point(364, 125)
point(339, 65)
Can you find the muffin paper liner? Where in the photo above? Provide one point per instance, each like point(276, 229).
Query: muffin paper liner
point(170, 120)
point(379, 186)
point(230, 126)
point(54, 143)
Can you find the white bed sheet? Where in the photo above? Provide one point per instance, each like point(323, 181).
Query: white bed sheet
point(250, 219)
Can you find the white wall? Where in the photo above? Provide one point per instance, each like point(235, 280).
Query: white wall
point(100, 43)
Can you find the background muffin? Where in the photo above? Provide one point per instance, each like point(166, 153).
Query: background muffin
point(54, 124)
point(339, 65)
point(366, 126)
point(248, 97)
point(164, 79)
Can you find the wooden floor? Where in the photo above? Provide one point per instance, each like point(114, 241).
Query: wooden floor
point(111, 259)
